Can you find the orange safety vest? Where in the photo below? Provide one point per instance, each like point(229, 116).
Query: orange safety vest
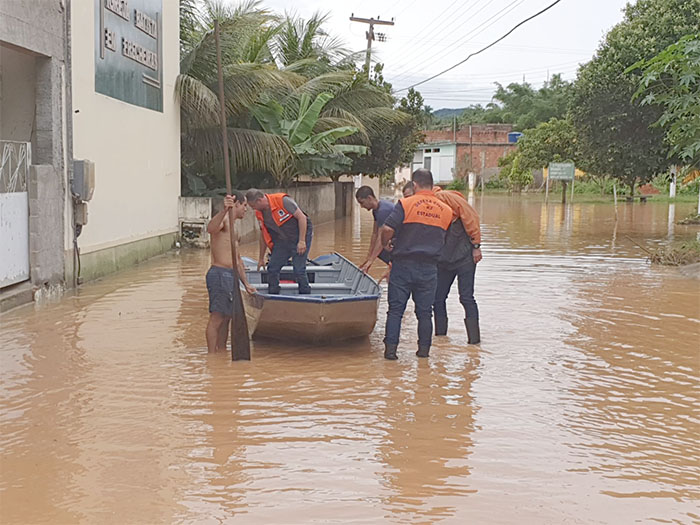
point(425, 208)
point(422, 235)
point(279, 214)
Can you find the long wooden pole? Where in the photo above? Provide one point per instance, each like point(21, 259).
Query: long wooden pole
point(240, 342)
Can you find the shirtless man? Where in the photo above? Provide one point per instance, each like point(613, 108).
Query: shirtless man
point(220, 275)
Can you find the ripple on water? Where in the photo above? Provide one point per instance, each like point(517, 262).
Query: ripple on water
point(580, 405)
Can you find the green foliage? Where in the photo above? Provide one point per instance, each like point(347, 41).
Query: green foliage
point(593, 185)
point(396, 142)
point(496, 184)
point(518, 104)
point(315, 152)
point(671, 80)
point(662, 182)
point(552, 141)
point(512, 173)
point(413, 104)
point(457, 184)
point(616, 135)
point(526, 107)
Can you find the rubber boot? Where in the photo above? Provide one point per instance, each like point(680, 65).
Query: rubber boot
point(473, 332)
point(423, 351)
point(440, 325)
point(390, 352)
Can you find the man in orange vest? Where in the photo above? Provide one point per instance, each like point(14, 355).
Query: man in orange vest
point(458, 258)
point(417, 226)
point(287, 232)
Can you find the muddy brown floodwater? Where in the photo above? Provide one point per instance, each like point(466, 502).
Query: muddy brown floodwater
point(580, 405)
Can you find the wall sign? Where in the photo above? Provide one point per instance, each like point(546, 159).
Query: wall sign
point(129, 50)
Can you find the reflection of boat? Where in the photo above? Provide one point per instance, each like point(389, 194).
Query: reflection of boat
point(342, 305)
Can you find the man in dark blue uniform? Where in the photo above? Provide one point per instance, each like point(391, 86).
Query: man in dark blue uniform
point(417, 226)
point(381, 209)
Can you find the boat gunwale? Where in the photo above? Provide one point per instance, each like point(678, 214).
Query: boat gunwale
point(330, 299)
point(314, 299)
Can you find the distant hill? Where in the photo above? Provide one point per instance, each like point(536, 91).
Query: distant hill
point(448, 112)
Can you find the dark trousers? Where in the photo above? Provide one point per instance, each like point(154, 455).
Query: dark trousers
point(419, 280)
point(282, 251)
point(465, 285)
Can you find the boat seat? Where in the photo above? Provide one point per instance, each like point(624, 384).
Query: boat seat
point(314, 286)
point(309, 268)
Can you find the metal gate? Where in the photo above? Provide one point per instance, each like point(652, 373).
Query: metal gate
point(15, 158)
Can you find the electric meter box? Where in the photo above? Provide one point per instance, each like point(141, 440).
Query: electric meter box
point(83, 184)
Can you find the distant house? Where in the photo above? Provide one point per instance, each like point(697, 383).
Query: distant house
point(452, 154)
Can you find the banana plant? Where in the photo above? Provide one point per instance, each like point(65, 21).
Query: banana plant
point(315, 152)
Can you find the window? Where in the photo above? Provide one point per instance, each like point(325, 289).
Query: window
point(436, 150)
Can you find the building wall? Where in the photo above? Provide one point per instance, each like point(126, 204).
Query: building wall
point(479, 151)
point(136, 151)
point(442, 162)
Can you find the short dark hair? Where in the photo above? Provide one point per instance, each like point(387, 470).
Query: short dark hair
point(363, 192)
point(238, 196)
point(253, 195)
point(408, 186)
point(217, 204)
point(423, 178)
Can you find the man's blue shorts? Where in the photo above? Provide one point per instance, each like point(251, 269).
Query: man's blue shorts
point(220, 287)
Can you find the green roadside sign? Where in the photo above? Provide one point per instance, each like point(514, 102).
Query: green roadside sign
point(561, 171)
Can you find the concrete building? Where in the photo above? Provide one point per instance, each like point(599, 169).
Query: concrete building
point(35, 150)
point(451, 154)
point(93, 81)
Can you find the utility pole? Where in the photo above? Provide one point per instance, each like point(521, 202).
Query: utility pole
point(370, 35)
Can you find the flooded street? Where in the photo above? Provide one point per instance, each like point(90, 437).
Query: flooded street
point(580, 405)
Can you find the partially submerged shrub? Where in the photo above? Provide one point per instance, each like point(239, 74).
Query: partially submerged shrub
point(677, 255)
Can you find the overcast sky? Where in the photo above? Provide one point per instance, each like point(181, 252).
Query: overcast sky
point(429, 36)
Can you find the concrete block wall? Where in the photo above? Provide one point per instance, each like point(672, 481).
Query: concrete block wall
point(46, 250)
point(35, 33)
point(317, 200)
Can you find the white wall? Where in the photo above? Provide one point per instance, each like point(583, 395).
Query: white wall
point(442, 163)
point(136, 150)
point(14, 232)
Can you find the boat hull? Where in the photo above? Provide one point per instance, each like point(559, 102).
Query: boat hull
point(343, 305)
point(316, 323)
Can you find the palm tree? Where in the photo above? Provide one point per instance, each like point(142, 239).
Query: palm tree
point(244, 31)
point(266, 59)
point(304, 47)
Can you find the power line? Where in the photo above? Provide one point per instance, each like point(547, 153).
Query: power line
point(533, 77)
point(483, 48)
point(519, 72)
point(459, 15)
point(478, 29)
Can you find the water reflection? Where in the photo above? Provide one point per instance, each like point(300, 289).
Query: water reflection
point(429, 421)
